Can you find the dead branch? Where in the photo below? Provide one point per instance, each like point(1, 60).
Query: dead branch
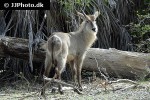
point(135, 84)
point(123, 81)
point(61, 82)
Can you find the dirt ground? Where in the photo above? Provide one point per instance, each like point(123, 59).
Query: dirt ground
point(95, 90)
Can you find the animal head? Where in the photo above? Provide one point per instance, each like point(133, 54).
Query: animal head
point(89, 22)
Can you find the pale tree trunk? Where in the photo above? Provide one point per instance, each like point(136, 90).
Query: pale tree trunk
point(113, 62)
point(118, 63)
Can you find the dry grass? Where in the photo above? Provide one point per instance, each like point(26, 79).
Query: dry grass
point(92, 91)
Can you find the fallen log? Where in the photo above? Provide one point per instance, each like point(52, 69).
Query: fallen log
point(111, 62)
point(117, 63)
point(19, 48)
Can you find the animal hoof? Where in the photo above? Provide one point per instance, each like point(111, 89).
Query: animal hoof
point(61, 92)
point(53, 90)
point(80, 88)
point(42, 93)
point(78, 91)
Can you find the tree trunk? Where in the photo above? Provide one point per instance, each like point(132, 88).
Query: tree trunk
point(118, 63)
point(18, 47)
point(112, 62)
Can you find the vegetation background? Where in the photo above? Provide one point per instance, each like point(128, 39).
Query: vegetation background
point(123, 24)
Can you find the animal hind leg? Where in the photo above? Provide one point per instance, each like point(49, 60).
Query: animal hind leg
point(59, 85)
point(61, 66)
point(46, 73)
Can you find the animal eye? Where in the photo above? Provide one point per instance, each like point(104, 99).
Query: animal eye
point(87, 21)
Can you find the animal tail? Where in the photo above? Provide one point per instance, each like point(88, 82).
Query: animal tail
point(54, 47)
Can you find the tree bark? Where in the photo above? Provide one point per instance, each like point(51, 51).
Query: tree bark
point(117, 63)
point(111, 62)
point(19, 48)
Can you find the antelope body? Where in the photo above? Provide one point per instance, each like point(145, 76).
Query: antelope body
point(70, 47)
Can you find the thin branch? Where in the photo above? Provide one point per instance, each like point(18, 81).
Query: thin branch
point(61, 82)
point(106, 78)
point(123, 81)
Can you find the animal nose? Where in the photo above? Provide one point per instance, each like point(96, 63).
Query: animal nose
point(94, 29)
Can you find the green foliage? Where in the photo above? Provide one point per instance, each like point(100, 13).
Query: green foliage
point(145, 29)
point(144, 7)
point(139, 30)
point(143, 46)
point(142, 27)
point(106, 1)
point(69, 5)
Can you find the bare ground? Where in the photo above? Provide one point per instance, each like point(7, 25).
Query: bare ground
point(95, 90)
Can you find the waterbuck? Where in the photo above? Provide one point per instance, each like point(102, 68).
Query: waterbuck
point(62, 48)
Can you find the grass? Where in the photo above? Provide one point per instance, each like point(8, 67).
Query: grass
point(92, 91)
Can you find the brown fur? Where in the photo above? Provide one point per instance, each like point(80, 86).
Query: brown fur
point(70, 47)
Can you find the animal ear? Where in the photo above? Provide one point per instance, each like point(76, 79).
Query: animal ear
point(96, 14)
point(81, 15)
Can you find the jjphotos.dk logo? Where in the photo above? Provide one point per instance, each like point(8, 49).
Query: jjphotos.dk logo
point(14, 5)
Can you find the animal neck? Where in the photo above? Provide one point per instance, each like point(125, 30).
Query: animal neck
point(81, 28)
point(87, 37)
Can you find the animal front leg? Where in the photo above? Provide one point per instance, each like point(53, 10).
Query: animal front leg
point(73, 72)
point(79, 63)
point(43, 88)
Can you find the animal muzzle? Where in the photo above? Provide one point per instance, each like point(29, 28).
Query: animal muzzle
point(94, 29)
